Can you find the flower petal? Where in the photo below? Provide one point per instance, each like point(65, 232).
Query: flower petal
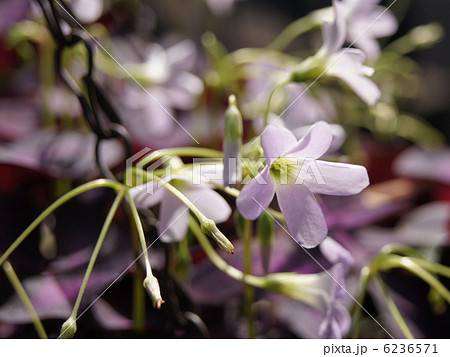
point(276, 141)
point(209, 202)
point(303, 214)
point(334, 33)
point(331, 178)
point(147, 195)
point(256, 195)
point(315, 143)
point(347, 65)
point(173, 219)
point(336, 253)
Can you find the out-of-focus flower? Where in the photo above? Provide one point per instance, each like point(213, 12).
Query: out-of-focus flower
point(366, 21)
point(174, 215)
point(426, 165)
point(345, 64)
point(169, 86)
point(287, 175)
point(425, 226)
point(221, 8)
point(60, 153)
point(320, 296)
point(87, 11)
point(12, 11)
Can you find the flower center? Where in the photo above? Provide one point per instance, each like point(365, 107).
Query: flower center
point(285, 169)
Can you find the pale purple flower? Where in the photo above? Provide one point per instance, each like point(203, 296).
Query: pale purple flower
point(60, 153)
point(150, 114)
point(87, 11)
point(366, 21)
point(173, 214)
point(426, 165)
point(346, 64)
point(221, 8)
point(322, 299)
point(288, 159)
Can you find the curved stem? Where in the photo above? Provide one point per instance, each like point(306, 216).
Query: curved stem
point(269, 101)
point(140, 233)
point(217, 260)
point(59, 202)
point(363, 281)
point(183, 151)
point(292, 31)
point(249, 292)
point(23, 296)
point(393, 309)
point(98, 246)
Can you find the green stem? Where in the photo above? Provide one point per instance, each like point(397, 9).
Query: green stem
point(292, 31)
point(183, 151)
point(140, 233)
point(218, 261)
point(138, 291)
point(393, 309)
point(269, 101)
point(23, 296)
point(249, 291)
point(416, 269)
point(59, 202)
point(363, 282)
point(98, 245)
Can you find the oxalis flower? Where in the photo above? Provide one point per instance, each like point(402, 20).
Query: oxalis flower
point(294, 174)
point(366, 22)
point(343, 63)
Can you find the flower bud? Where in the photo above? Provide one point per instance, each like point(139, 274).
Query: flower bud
point(232, 144)
point(152, 286)
point(308, 288)
point(209, 227)
point(69, 328)
point(265, 232)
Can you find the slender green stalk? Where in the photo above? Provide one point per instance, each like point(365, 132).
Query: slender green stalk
point(249, 291)
point(393, 309)
point(363, 282)
point(98, 246)
point(292, 31)
point(269, 101)
point(183, 151)
point(59, 202)
point(218, 261)
point(23, 296)
point(140, 232)
point(138, 291)
point(435, 268)
point(416, 269)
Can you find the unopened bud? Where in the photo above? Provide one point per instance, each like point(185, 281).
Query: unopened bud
point(69, 328)
point(209, 227)
point(265, 237)
point(232, 143)
point(152, 286)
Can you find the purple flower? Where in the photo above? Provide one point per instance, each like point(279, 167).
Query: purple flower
point(221, 8)
point(173, 214)
point(346, 64)
point(426, 165)
point(366, 21)
point(287, 174)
